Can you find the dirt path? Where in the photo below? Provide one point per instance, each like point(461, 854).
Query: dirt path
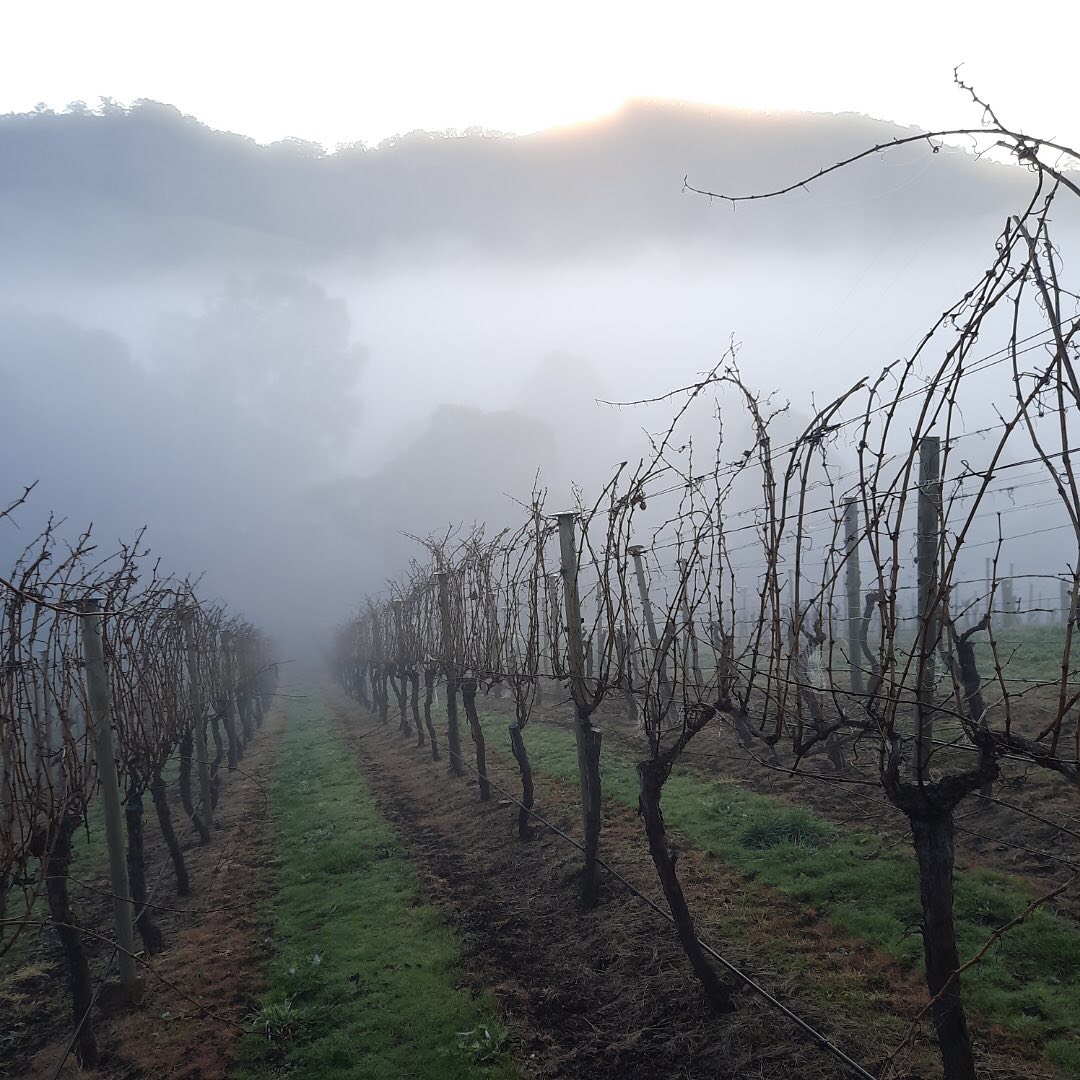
point(214, 944)
point(609, 993)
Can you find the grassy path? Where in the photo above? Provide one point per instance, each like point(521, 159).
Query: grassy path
point(362, 979)
point(1027, 984)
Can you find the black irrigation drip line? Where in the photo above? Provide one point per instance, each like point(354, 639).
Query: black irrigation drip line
point(1068, 863)
point(818, 1038)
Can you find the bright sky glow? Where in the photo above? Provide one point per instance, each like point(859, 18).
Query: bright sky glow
point(335, 73)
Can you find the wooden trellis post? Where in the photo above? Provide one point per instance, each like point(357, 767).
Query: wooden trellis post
point(689, 630)
point(97, 692)
point(929, 617)
point(588, 737)
point(449, 651)
point(229, 713)
point(853, 585)
point(663, 685)
point(198, 726)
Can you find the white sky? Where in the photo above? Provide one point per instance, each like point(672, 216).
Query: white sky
point(336, 72)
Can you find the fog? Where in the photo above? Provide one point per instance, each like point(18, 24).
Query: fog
point(281, 360)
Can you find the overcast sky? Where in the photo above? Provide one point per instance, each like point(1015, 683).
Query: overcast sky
point(338, 73)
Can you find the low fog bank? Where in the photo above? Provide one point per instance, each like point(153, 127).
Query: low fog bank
point(283, 360)
point(147, 187)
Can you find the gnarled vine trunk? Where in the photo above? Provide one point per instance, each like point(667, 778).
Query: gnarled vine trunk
point(149, 931)
point(243, 707)
point(161, 805)
point(401, 693)
point(517, 744)
point(382, 696)
point(468, 699)
point(186, 745)
point(414, 684)
point(590, 880)
point(429, 697)
point(71, 944)
point(651, 776)
point(215, 765)
point(453, 729)
point(228, 716)
point(360, 687)
point(933, 839)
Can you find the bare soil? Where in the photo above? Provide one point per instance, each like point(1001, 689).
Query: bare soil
point(198, 990)
point(609, 993)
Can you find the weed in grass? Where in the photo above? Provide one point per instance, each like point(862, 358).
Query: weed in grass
point(283, 1022)
point(486, 1044)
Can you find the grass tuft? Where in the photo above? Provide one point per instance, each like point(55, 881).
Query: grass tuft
point(784, 826)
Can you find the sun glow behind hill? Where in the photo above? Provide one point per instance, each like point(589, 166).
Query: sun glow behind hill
point(346, 73)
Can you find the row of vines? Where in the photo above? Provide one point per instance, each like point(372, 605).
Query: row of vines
point(113, 680)
point(818, 587)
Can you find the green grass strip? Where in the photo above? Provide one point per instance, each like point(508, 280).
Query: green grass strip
point(1028, 983)
point(362, 982)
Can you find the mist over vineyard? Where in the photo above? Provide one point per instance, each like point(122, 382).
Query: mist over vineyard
point(600, 602)
point(280, 357)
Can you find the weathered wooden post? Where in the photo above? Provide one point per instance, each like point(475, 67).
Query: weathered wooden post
point(553, 628)
point(53, 738)
point(663, 685)
point(401, 690)
point(688, 621)
point(539, 602)
point(198, 724)
point(449, 652)
point(228, 701)
point(587, 646)
point(469, 687)
point(243, 690)
point(588, 737)
point(100, 699)
point(928, 631)
point(625, 657)
point(853, 585)
point(543, 660)
point(378, 670)
point(636, 552)
point(1008, 601)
